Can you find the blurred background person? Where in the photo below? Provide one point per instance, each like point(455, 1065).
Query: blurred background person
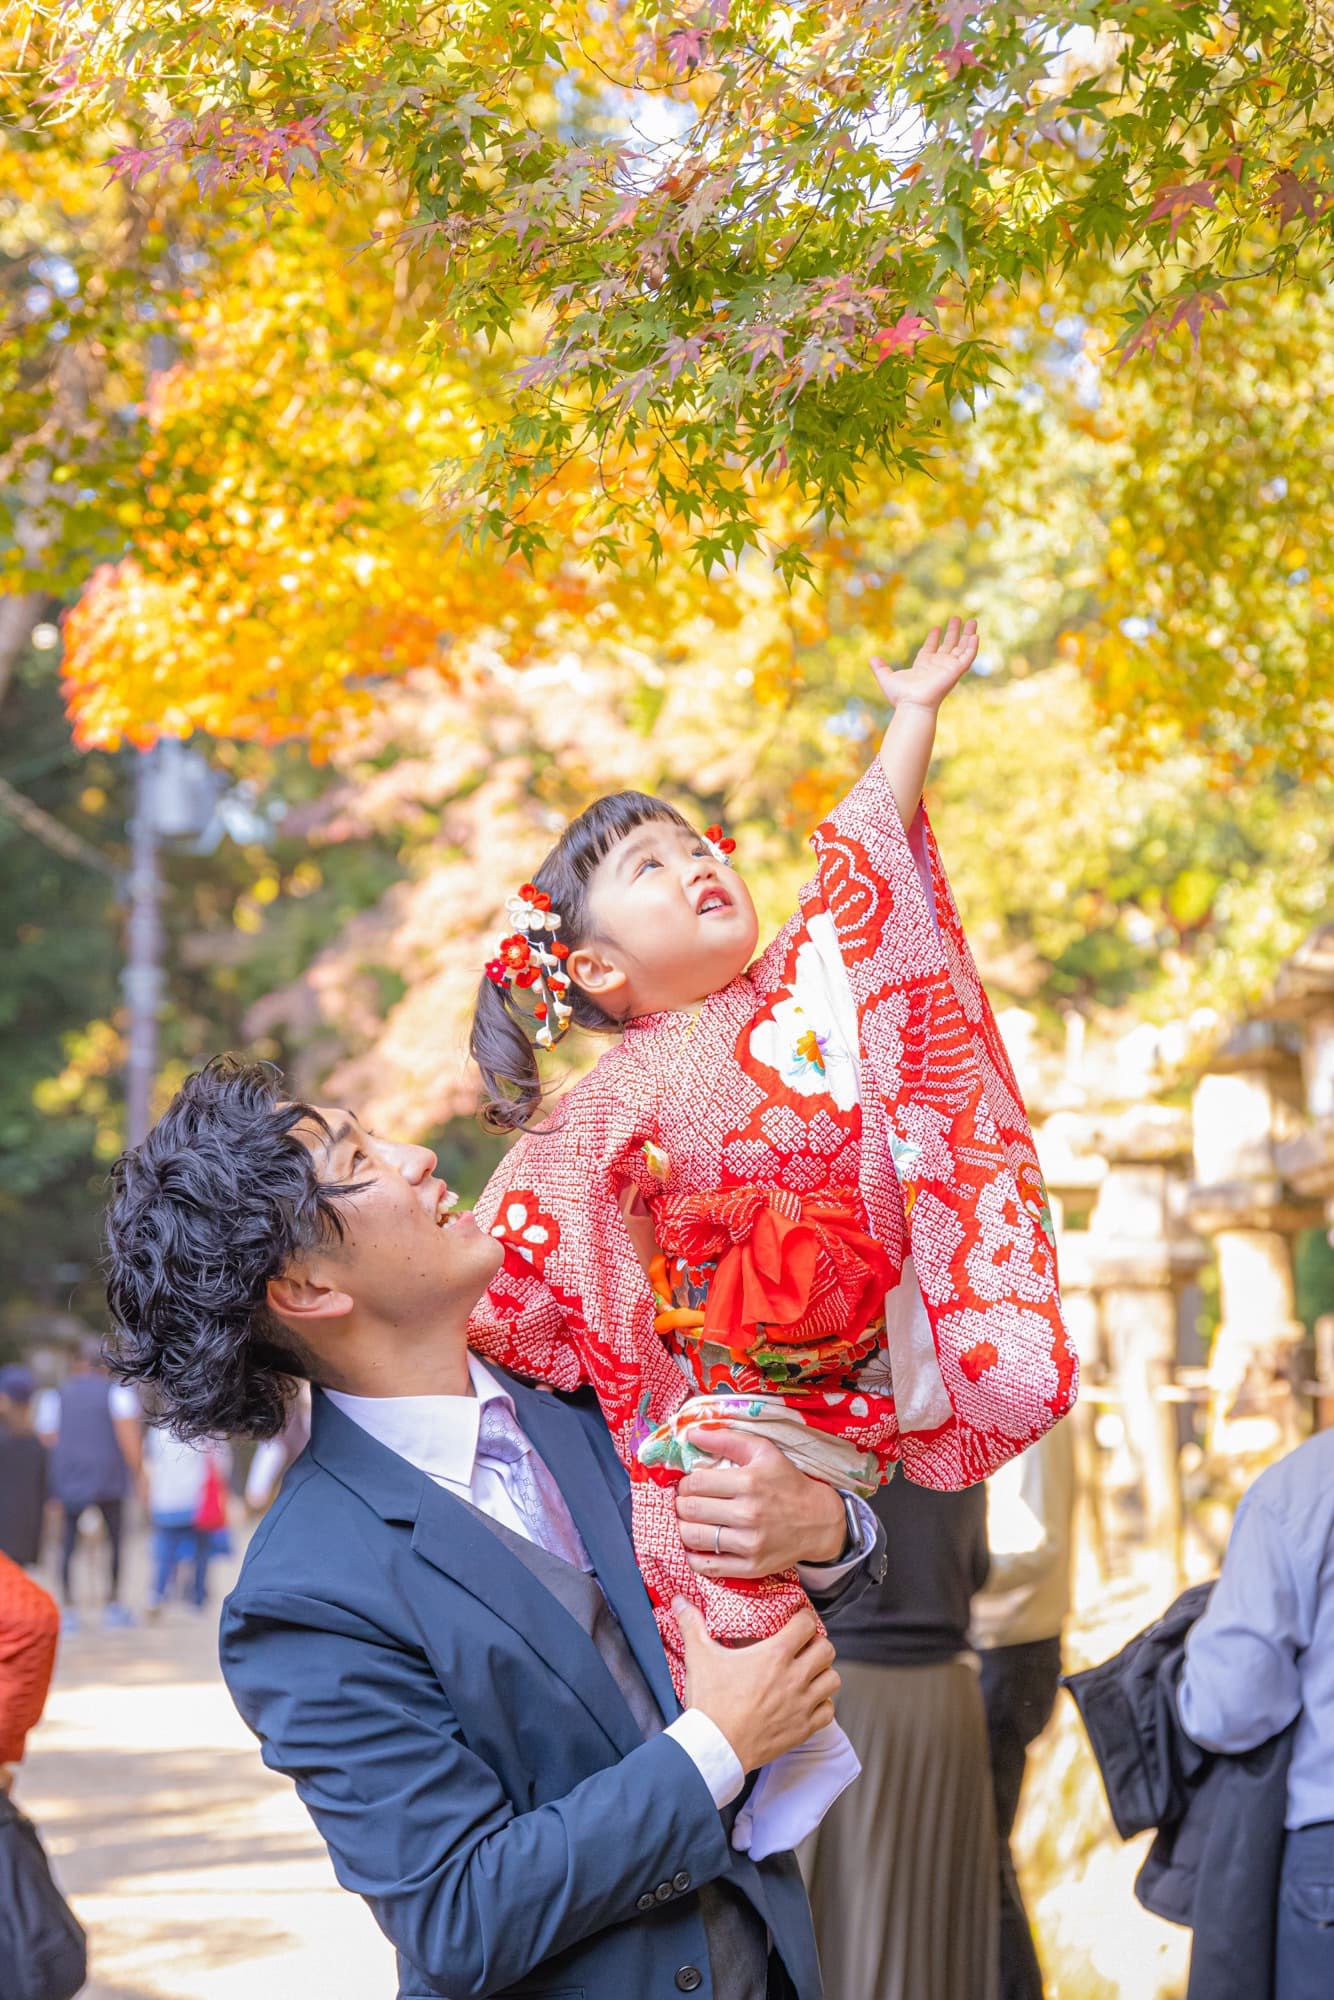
point(272, 1456)
point(1017, 1623)
point(186, 1490)
point(23, 1469)
point(1261, 1657)
point(902, 1872)
point(42, 1950)
point(93, 1428)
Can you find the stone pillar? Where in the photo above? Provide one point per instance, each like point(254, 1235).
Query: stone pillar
point(1140, 1257)
point(1073, 1172)
point(1246, 1108)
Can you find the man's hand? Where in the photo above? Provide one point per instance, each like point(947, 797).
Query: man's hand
point(766, 1698)
point(940, 665)
point(757, 1515)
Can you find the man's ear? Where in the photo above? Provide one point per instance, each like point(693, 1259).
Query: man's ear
point(597, 976)
point(296, 1297)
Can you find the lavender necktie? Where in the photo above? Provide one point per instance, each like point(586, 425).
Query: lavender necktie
point(535, 1494)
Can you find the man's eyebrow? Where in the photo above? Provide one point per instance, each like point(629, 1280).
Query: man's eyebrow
point(340, 1132)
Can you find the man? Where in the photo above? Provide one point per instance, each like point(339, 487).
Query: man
point(1261, 1657)
point(1017, 1624)
point(92, 1428)
point(439, 1631)
point(22, 1469)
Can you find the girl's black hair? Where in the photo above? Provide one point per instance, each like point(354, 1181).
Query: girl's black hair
point(501, 1043)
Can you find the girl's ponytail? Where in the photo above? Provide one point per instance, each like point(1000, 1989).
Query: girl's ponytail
point(500, 1046)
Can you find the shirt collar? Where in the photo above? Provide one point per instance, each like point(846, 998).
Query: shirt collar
point(437, 1434)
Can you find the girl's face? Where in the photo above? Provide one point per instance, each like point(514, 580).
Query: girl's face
point(669, 924)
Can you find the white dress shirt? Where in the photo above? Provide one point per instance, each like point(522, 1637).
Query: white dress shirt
point(438, 1434)
point(1030, 1521)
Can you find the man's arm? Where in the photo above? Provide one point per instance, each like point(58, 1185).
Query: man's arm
point(128, 1423)
point(475, 1894)
point(1240, 1685)
point(915, 695)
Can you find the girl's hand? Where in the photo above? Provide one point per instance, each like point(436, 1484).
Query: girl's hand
point(940, 665)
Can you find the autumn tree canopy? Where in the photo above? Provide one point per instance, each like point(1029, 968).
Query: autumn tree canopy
point(349, 339)
point(753, 243)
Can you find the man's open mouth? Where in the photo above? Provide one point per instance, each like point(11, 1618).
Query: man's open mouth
point(446, 1202)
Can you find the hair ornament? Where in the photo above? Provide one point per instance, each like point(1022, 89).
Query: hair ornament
point(720, 847)
point(527, 959)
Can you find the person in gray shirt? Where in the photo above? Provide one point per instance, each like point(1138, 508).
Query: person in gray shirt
point(1261, 1657)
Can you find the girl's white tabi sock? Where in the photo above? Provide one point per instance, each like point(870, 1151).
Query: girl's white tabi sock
point(793, 1794)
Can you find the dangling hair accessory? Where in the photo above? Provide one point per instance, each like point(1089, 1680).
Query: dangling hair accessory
point(526, 959)
point(720, 847)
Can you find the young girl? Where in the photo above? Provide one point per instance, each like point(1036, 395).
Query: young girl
point(823, 1160)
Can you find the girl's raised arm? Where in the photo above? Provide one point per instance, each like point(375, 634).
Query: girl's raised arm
point(915, 694)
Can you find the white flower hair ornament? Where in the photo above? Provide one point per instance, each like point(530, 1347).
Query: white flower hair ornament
point(526, 958)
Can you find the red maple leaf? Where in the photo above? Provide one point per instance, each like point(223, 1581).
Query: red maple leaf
point(1290, 195)
point(1190, 312)
point(902, 337)
point(961, 56)
point(1175, 203)
point(687, 46)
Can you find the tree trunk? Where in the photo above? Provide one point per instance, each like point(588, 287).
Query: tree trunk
point(18, 615)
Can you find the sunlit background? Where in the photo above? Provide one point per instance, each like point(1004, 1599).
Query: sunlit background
point(276, 740)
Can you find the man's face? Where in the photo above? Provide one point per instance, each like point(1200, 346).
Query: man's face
point(405, 1256)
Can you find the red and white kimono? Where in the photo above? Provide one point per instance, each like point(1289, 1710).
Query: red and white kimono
point(843, 1184)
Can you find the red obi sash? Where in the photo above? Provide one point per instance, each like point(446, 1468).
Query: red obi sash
point(785, 1269)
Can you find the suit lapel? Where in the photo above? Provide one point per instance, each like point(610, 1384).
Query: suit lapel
point(458, 1542)
point(559, 1435)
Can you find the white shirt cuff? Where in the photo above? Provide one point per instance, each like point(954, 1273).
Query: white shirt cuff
point(819, 1578)
point(710, 1753)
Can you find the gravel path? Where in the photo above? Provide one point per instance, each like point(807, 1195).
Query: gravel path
point(196, 1872)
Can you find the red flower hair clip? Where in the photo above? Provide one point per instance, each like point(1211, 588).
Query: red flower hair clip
point(719, 846)
point(526, 958)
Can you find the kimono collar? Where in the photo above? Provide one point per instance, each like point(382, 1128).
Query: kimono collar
point(682, 1019)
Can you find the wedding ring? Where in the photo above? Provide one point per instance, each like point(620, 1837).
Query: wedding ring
point(717, 1541)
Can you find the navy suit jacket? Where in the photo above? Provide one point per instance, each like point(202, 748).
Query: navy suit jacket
point(463, 1750)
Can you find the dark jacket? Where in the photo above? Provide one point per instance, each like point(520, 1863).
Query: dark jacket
point(935, 1559)
point(87, 1463)
point(460, 1743)
point(22, 1494)
point(1215, 1863)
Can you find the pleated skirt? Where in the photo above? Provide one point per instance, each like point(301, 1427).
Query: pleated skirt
point(902, 1873)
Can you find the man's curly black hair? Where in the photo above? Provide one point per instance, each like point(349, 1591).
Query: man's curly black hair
point(216, 1201)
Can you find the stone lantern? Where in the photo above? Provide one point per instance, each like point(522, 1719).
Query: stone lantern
point(1141, 1255)
point(1246, 1112)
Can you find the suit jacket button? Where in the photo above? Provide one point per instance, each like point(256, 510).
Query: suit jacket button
point(663, 1892)
point(689, 1979)
point(681, 1882)
point(646, 1901)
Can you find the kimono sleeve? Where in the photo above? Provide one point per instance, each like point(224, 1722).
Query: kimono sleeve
point(868, 807)
point(981, 1360)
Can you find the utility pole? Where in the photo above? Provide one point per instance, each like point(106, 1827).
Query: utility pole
point(142, 978)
